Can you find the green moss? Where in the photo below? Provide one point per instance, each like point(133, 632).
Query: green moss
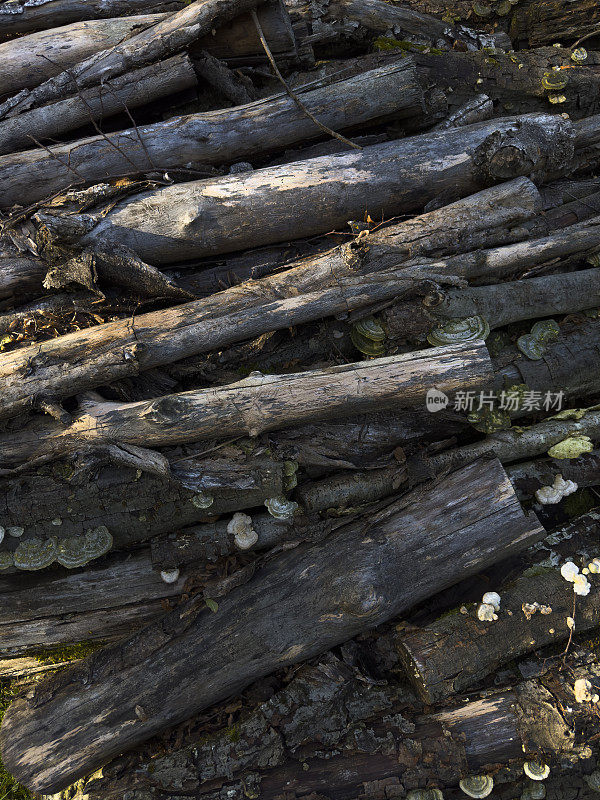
point(57, 655)
point(233, 733)
point(384, 43)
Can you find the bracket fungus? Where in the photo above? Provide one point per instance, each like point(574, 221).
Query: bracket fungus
point(16, 531)
point(492, 599)
point(535, 790)
point(536, 770)
point(98, 541)
point(593, 780)
point(549, 495)
point(6, 560)
point(425, 794)
point(240, 527)
point(477, 785)
point(203, 500)
point(456, 331)
point(582, 688)
point(1, 534)
point(571, 447)
point(170, 575)
point(281, 507)
point(534, 344)
point(579, 55)
point(486, 612)
point(34, 553)
point(368, 337)
point(70, 552)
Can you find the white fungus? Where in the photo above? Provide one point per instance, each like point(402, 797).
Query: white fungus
point(593, 566)
point(170, 575)
point(15, 531)
point(536, 771)
point(240, 527)
point(569, 570)
point(486, 612)
point(581, 585)
point(492, 599)
point(548, 495)
point(1, 534)
point(582, 689)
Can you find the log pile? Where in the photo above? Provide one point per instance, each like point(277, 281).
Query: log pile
point(299, 399)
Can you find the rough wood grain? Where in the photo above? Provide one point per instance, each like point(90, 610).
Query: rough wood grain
point(256, 404)
point(353, 581)
point(457, 650)
point(113, 96)
point(215, 216)
point(214, 137)
point(100, 602)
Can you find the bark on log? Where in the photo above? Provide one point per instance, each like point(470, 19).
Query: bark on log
point(547, 21)
point(458, 650)
point(499, 305)
point(193, 220)
point(132, 504)
point(511, 445)
point(257, 404)
point(20, 274)
point(514, 80)
point(29, 60)
point(377, 744)
point(377, 576)
point(100, 603)
point(158, 42)
point(215, 137)
point(113, 96)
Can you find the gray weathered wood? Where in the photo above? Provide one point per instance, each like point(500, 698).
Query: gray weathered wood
point(295, 607)
point(101, 602)
point(256, 404)
point(231, 213)
point(113, 96)
point(214, 137)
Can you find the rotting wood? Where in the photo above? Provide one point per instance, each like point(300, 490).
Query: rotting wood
point(457, 650)
point(486, 525)
point(256, 404)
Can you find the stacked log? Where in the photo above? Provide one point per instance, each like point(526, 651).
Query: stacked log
point(299, 408)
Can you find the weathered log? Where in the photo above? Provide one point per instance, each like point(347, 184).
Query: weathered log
point(511, 445)
point(134, 505)
point(100, 603)
point(113, 96)
point(20, 274)
point(192, 220)
point(214, 137)
point(29, 60)
point(256, 404)
point(155, 43)
point(458, 650)
point(548, 21)
point(25, 17)
point(529, 476)
point(499, 305)
point(494, 216)
point(378, 573)
point(377, 742)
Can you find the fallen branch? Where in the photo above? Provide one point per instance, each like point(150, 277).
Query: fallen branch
point(256, 404)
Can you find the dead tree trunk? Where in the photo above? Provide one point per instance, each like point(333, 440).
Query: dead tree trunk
point(99, 603)
point(380, 568)
point(529, 476)
point(256, 404)
point(96, 103)
point(378, 741)
point(134, 505)
point(457, 650)
point(209, 217)
point(215, 137)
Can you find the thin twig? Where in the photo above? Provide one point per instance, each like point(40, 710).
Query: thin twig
point(587, 36)
point(291, 93)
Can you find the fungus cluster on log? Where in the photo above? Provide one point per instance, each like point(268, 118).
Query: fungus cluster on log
point(299, 399)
